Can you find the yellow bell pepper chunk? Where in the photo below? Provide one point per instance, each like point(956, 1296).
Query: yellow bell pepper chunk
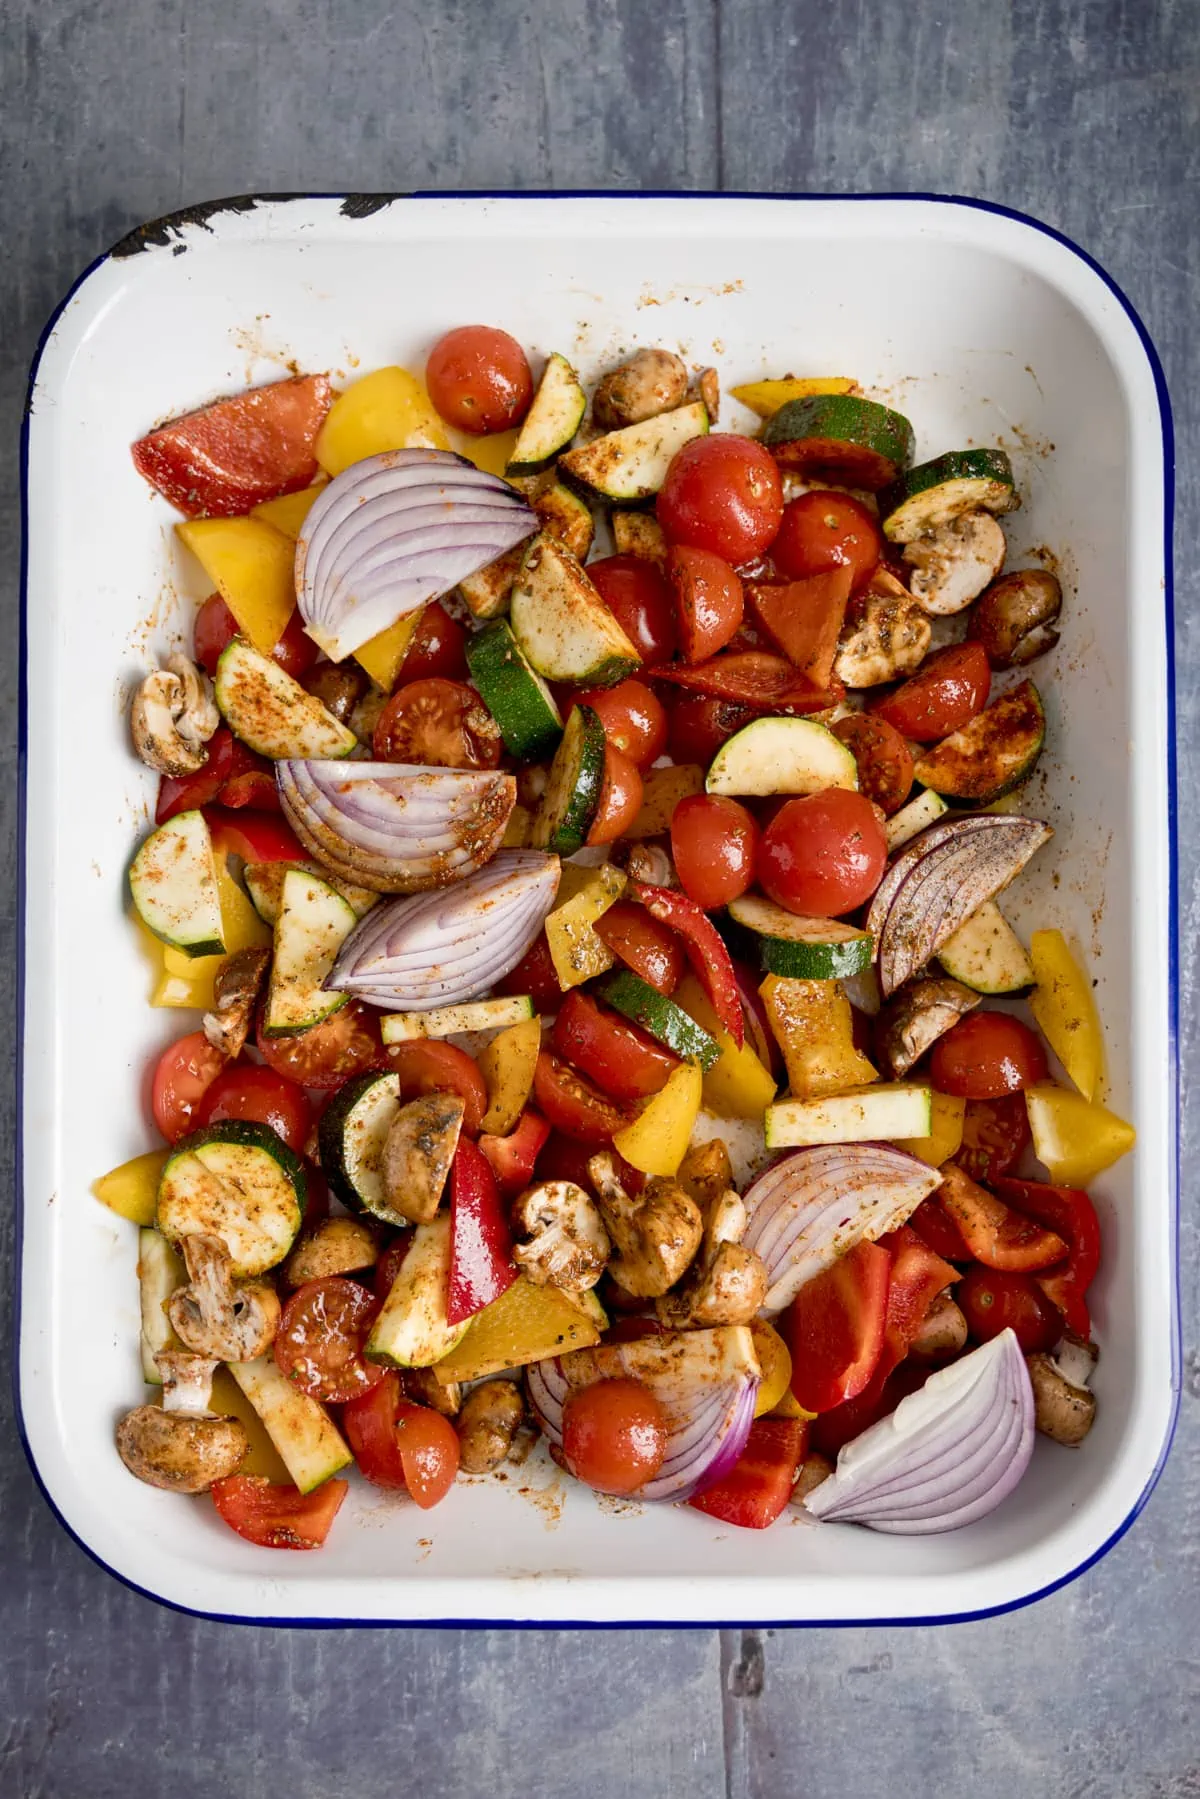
point(737, 1085)
point(945, 1134)
point(382, 655)
point(492, 454)
point(132, 1189)
point(386, 410)
point(657, 1140)
point(262, 1457)
point(287, 514)
point(517, 830)
point(526, 1324)
point(584, 895)
point(662, 791)
point(813, 1026)
point(187, 981)
point(774, 1358)
point(507, 1066)
point(766, 397)
point(1063, 1006)
point(252, 566)
point(1074, 1139)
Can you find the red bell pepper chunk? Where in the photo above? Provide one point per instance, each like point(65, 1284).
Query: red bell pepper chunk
point(804, 619)
point(705, 949)
point(481, 1264)
point(227, 758)
point(224, 459)
point(881, 1395)
point(512, 1158)
point(752, 678)
point(939, 1231)
point(918, 1275)
point(1070, 1213)
point(836, 1327)
point(255, 791)
point(760, 1483)
point(254, 836)
point(276, 1516)
point(994, 1234)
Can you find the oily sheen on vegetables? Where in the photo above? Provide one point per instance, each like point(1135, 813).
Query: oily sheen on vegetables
point(811, 1207)
point(396, 827)
point(946, 1456)
point(706, 1382)
point(394, 531)
point(450, 945)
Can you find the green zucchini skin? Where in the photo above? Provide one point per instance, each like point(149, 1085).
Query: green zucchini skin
point(514, 693)
point(841, 438)
point(993, 754)
point(257, 1216)
point(935, 493)
point(332, 1141)
point(804, 949)
point(573, 790)
point(660, 1018)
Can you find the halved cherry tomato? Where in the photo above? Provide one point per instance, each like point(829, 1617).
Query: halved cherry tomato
point(624, 1062)
point(823, 530)
point(389, 1263)
point(215, 627)
point(536, 975)
point(620, 798)
point(572, 1104)
point(704, 948)
point(262, 1096)
point(752, 678)
point(884, 760)
point(182, 1076)
point(708, 601)
point(713, 845)
point(700, 724)
point(995, 1133)
point(260, 837)
point(946, 693)
point(986, 1055)
point(614, 1435)
point(429, 1452)
point(227, 457)
point(444, 724)
point(758, 1486)
point(276, 1516)
point(226, 758)
point(479, 379)
point(835, 1328)
point(437, 648)
point(650, 948)
point(329, 1053)
point(823, 854)
point(636, 593)
point(369, 1422)
point(722, 493)
point(1070, 1214)
point(634, 719)
point(319, 1343)
point(992, 1301)
point(995, 1234)
point(512, 1158)
point(429, 1065)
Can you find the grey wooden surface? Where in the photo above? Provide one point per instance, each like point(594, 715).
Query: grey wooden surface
point(1083, 112)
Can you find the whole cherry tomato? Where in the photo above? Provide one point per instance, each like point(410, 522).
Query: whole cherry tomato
point(822, 854)
point(634, 719)
point(614, 1435)
point(636, 593)
point(713, 845)
point(536, 975)
point(722, 493)
point(479, 379)
point(430, 1065)
point(620, 798)
point(992, 1301)
point(429, 1452)
point(700, 724)
point(987, 1054)
point(215, 626)
point(437, 647)
point(823, 530)
point(624, 1062)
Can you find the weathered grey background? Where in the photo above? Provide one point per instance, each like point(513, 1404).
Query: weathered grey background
point(1083, 112)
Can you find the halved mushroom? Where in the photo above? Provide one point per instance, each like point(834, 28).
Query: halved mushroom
point(727, 1284)
point(954, 564)
point(1064, 1407)
point(172, 718)
point(490, 1417)
point(650, 382)
point(213, 1315)
point(335, 1246)
point(648, 862)
point(339, 686)
point(417, 1154)
point(913, 1020)
point(943, 1330)
point(235, 994)
point(423, 1385)
point(567, 1243)
point(887, 636)
point(656, 1232)
point(181, 1446)
point(1016, 620)
point(708, 386)
point(706, 1173)
point(813, 1470)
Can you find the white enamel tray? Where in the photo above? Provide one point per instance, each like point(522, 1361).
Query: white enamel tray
point(983, 327)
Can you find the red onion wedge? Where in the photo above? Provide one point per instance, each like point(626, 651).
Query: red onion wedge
point(396, 827)
point(394, 531)
point(939, 880)
point(441, 948)
point(810, 1208)
point(706, 1382)
point(946, 1456)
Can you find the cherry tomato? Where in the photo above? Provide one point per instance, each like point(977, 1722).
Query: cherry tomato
point(572, 1105)
point(263, 1097)
point(713, 846)
point(227, 457)
point(614, 1435)
point(388, 1265)
point(823, 530)
point(643, 943)
point(620, 798)
point(884, 760)
point(823, 854)
point(182, 1076)
point(479, 380)
point(836, 1326)
point(428, 1065)
point(992, 1301)
point(227, 758)
point(369, 1421)
point(938, 1230)
point(995, 1133)
point(216, 626)
point(329, 1053)
point(428, 1452)
point(437, 648)
point(634, 719)
point(987, 1054)
point(275, 1516)
point(722, 493)
point(700, 725)
point(624, 1062)
point(320, 1339)
point(943, 696)
point(708, 601)
point(441, 723)
point(636, 593)
point(536, 975)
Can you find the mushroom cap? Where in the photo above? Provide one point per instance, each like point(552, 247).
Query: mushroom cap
point(180, 1453)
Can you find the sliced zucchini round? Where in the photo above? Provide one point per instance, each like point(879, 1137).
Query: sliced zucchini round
point(803, 949)
point(566, 631)
point(553, 419)
point(351, 1136)
point(631, 464)
point(237, 1181)
point(660, 1018)
point(272, 713)
point(841, 438)
point(990, 756)
point(934, 493)
point(782, 755)
point(514, 693)
point(568, 806)
point(173, 880)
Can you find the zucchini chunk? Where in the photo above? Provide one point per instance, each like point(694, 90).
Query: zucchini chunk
point(351, 1136)
point(782, 755)
point(448, 1021)
point(840, 438)
point(553, 419)
point(986, 954)
point(272, 713)
point(514, 693)
point(568, 806)
point(237, 1181)
point(934, 493)
point(890, 1112)
point(264, 883)
point(631, 464)
point(919, 813)
point(173, 880)
point(803, 949)
point(660, 1018)
point(160, 1272)
point(412, 1330)
point(310, 1446)
point(563, 626)
point(991, 755)
point(313, 923)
